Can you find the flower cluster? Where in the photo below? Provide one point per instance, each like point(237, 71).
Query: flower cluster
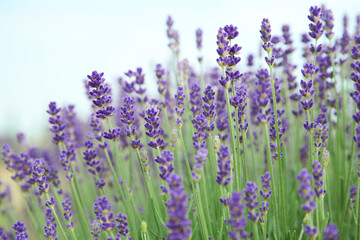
point(166, 164)
point(122, 226)
point(237, 221)
point(180, 105)
point(103, 214)
point(57, 122)
point(127, 116)
point(101, 94)
point(228, 54)
point(178, 224)
point(262, 97)
point(161, 79)
point(251, 200)
point(199, 37)
point(153, 128)
point(66, 204)
point(195, 99)
point(316, 28)
point(39, 177)
point(137, 80)
point(265, 193)
point(20, 231)
point(307, 194)
point(331, 232)
point(173, 36)
point(19, 165)
point(223, 177)
point(318, 178)
point(224, 108)
point(89, 156)
point(209, 107)
point(50, 226)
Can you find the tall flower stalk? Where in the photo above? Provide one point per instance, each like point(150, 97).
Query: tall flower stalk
point(270, 60)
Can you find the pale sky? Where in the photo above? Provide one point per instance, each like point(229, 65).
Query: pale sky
point(48, 47)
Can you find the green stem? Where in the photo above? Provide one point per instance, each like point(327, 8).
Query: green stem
point(32, 218)
point(328, 194)
point(236, 163)
point(146, 181)
point(127, 198)
point(284, 222)
point(301, 233)
point(245, 147)
point(198, 204)
point(349, 173)
point(56, 217)
point(206, 201)
point(358, 208)
point(80, 210)
point(242, 157)
point(270, 166)
point(317, 213)
point(73, 234)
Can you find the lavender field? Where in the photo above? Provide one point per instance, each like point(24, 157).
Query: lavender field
point(256, 146)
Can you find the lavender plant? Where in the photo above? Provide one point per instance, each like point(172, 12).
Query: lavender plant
point(214, 155)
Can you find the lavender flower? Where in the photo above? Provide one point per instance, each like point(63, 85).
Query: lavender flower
point(103, 214)
point(209, 107)
point(264, 208)
point(266, 192)
point(251, 201)
point(101, 95)
point(89, 156)
point(266, 35)
point(166, 164)
point(137, 82)
point(195, 99)
point(3, 235)
point(67, 213)
point(180, 109)
point(20, 231)
point(237, 221)
point(329, 24)
point(145, 162)
point(318, 177)
point(95, 230)
point(223, 177)
point(50, 226)
point(161, 79)
point(331, 232)
point(306, 91)
point(173, 36)
point(122, 226)
point(200, 158)
point(227, 55)
point(19, 165)
point(199, 34)
point(57, 122)
point(178, 224)
point(262, 96)
point(310, 231)
point(153, 128)
point(353, 193)
point(321, 136)
point(65, 161)
point(315, 25)
point(40, 177)
point(305, 191)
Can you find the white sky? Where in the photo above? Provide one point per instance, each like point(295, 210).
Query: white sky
point(48, 47)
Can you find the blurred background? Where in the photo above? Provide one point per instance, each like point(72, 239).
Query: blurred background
point(48, 47)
